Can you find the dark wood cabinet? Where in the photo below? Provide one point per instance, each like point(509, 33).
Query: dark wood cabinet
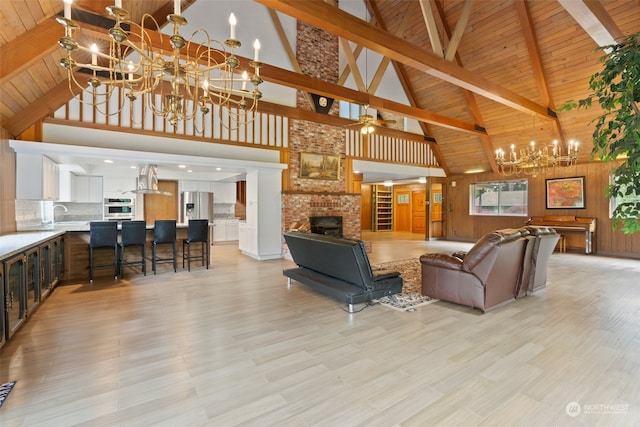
point(14, 293)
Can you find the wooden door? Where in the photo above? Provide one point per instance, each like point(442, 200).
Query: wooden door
point(365, 208)
point(402, 211)
point(158, 206)
point(437, 217)
point(419, 211)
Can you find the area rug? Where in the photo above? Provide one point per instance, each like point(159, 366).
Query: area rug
point(410, 298)
point(5, 389)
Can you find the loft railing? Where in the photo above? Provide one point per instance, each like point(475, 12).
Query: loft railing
point(386, 148)
point(265, 130)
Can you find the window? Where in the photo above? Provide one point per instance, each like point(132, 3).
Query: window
point(630, 198)
point(501, 198)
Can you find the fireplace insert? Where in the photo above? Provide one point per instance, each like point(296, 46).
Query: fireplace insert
point(327, 225)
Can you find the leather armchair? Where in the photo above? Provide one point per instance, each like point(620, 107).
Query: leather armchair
point(544, 240)
point(486, 277)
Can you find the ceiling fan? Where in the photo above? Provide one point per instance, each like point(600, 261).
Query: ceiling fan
point(367, 122)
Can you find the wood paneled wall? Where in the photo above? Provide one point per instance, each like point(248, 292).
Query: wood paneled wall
point(462, 226)
point(8, 184)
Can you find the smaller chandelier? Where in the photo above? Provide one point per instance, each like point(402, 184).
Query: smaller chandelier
point(535, 161)
point(178, 80)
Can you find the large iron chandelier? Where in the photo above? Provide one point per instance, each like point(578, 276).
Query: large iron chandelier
point(180, 80)
point(535, 161)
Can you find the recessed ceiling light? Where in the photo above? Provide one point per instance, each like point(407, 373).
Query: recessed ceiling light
point(474, 171)
point(422, 180)
point(189, 170)
point(108, 161)
point(218, 169)
point(133, 167)
point(182, 166)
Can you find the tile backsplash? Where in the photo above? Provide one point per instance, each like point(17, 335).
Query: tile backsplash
point(37, 214)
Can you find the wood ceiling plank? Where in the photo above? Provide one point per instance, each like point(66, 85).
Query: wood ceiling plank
point(345, 25)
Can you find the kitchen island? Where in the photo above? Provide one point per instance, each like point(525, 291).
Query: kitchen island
point(77, 251)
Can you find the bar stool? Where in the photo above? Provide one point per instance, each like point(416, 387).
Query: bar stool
point(133, 234)
point(164, 232)
point(197, 232)
point(102, 235)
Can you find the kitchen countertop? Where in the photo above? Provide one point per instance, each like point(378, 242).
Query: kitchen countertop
point(83, 226)
point(12, 244)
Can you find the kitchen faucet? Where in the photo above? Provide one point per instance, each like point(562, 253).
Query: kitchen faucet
point(53, 216)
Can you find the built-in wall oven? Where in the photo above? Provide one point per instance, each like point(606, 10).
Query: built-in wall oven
point(119, 209)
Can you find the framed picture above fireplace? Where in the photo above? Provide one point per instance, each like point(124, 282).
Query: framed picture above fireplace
point(319, 166)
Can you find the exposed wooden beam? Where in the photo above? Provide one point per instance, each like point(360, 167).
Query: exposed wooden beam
point(594, 19)
point(456, 37)
point(282, 35)
point(22, 52)
point(470, 100)
point(302, 82)
point(343, 24)
point(432, 27)
point(526, 24)
point(36, 111)
point(353, 65)
point(401, 72)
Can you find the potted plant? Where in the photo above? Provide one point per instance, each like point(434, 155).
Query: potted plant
point(616, 88)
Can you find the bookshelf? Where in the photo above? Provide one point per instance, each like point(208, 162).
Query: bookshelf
point(382, 208)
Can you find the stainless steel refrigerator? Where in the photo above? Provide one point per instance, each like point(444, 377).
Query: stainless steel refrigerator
point(196, 205)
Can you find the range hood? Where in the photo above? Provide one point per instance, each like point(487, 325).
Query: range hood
point(148, 181)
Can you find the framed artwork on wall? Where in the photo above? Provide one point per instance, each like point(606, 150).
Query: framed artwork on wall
point(319, 166)
point(565, 193)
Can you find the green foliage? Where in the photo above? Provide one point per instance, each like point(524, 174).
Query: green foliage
point(616, 88)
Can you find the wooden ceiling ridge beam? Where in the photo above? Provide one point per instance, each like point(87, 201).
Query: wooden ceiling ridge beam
point(531, 40)
point(342, 24)
point(469, 98)
point(405, 82)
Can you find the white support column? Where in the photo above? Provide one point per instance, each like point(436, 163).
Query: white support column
point(264, 214)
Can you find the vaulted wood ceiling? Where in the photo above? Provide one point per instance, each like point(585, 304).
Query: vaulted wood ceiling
point(479, 75)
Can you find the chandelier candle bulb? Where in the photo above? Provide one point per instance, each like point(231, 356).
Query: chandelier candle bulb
point(245, 77)
point(131, 67)
point(232, 25)
point(67, 9)
point(119, 3)
point(256, 47)
point(94, 54)
point(176, 7)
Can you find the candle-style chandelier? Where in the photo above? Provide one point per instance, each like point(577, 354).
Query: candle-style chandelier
point(178, 81)
point(535, 161)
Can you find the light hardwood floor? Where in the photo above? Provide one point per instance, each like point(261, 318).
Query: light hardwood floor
point(235, 345)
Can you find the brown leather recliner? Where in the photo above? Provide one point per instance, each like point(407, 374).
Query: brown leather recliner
point(487, 276)
point(543, 243)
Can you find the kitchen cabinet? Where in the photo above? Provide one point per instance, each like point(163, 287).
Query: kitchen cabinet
point(28, 272)
point(225, 230)
point(51, 265)
point(116, 188)
point(86, 188)
point(2, 307)
point(32, 279)
point(15, 295)
point(37, 177)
